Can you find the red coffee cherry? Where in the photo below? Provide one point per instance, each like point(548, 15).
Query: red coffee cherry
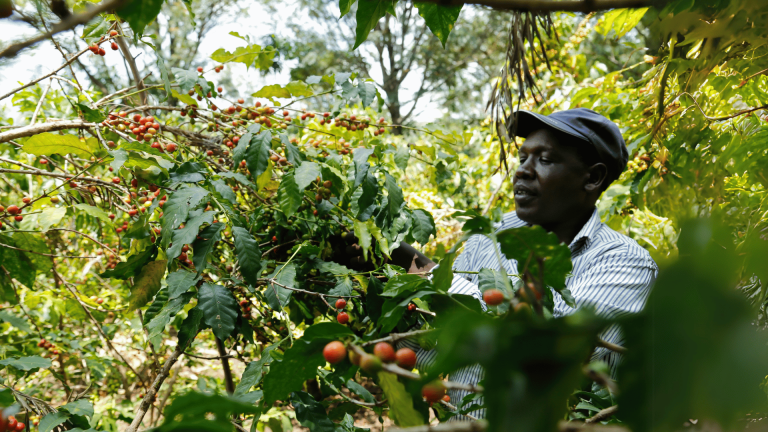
point(405, 358)
point(433, 391)
point(341, 304)
point(342, 317)
point(493, 297)
point(334, 352)
point(384, 352)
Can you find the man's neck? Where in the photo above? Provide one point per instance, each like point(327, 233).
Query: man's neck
point(566, 230)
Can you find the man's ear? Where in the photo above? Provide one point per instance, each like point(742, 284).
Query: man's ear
point(597, 175)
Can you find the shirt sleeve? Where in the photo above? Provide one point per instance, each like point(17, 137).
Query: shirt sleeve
point(615, 285)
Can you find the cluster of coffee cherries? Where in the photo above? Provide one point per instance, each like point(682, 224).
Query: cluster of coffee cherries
point(184, 256)
point(342, 317)
point(10, 424)
point(639, 163)
point(335, 352)
point(96, 49)
point(49, 346)
point(11, 210)
point(352, 123)
point(143, 198)
point(245, 306)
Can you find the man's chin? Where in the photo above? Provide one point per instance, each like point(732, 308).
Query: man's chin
point(527, 214)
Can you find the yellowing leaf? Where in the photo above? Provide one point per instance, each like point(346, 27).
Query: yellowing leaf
point(274, 90)
point(46, 144)
point(147, 283)
point(299, 88)
point(248, 55)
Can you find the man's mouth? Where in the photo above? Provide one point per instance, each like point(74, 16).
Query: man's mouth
point(521, 191)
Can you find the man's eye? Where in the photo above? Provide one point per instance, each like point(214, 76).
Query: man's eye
point(545, 161)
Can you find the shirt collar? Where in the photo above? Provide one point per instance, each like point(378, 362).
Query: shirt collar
point(586, 233)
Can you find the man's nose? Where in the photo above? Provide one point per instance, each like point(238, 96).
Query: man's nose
point(525, 170)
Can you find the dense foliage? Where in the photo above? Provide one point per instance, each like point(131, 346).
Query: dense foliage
point(172, 264)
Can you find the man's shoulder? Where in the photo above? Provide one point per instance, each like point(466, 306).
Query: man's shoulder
point(510, 220)
point(608, 241)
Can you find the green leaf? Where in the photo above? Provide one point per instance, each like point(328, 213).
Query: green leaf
point(239, 177)
point(440, 19)
point(402, 156)
point(345, 6)
point(94, 211)
point(186, 79)
point(189, 172)
point(443, 274)
point(157, 325)
point(370, 188)
point(183, 97)
point(139, 13)
point(33, 243)
point(253, 372)
point(272, 91)
point(292, 153)
point(165, 76)
point(203, 246)
point(288, 195)
point(95, 29)
point(394, 196)
point(620, 20)
point(90, 114)
point(248, 55)
point(360, 391)
point(51, 420)
point(224, 190)
point(14, 321)
point(541, 246)
point(219, 309)
point(306, 173)
point(277, 296)
point(191, 326)
point(299, 364)
point(712, 373)
point(367, 92)
point(363, 236)
point(342, 288)
point(180, 282)
point(82, 407)
point(119, 157)
point(46, 144)
point(299, 89)
point(129, 268)
point(248, 254)
point(422, 226)
point(369, 12)
point(400, 401)
point(147, 283)
point(188, 234)
point(177, 207)
point(311, 413)
point(27, 363)
point(403, 284)
point(161, 298)
point(257, 155)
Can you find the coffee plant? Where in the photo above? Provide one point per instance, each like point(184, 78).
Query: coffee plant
point(152, 239)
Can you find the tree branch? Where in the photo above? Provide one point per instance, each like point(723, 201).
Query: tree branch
point(134, 70)
point(611, 346)
point(394, 337)
point(44, 127)
point(73, 21)
point(550, 5)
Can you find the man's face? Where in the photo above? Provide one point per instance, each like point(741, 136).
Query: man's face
point(549, 183)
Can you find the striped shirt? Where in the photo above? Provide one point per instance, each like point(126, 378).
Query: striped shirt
point(611, 272)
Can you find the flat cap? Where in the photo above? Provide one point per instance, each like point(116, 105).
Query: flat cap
point(586, 125)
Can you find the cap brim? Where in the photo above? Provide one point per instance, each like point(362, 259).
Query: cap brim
point(529, 122)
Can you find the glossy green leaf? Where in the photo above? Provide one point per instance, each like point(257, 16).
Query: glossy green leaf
point(188, 234)
point(288, 195)
point(423, 226)
point(180, 282)
point(220, 309)
point(205, 244)
point(51, 420)
point(139, 13)
point(257, 155)
point(161, 298)
point(248, 254)
point(272, 91)
point(93, 211)
point(400, 401)
point(369, 12)
point(311, 413)
point(177, 207)
point(82, 407)
point(47, 143)
point(251, 55)
point(191, 326)
point(252, 374)
point(277, 296)
point(27, 363)
point(541, 247)
point(14, 321)
point(440, 19)
point(130, 267)
point(306, 173)
point(394, 196)
point(158, 323)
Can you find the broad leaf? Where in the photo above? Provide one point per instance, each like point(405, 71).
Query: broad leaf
point(147, 283)
point(177, 207)
point(46, 144)
point(51, 420)
point(180, 282)
point(188, 234)
point(27, 363)
point(251, 55)
point(547, 254)
point(248, 254)
point(219, 309)
point(440, 19)
point(205, 244)
point(158, 323)
point(400, 401)
point(191, 326)
point(288, 195)
point(139, 13)
point(253, 372)
point(257, 155)
point(394, 196)
point(369, 12)
point(422, 226)
point(277, 296)
point(129, 268)
point(306, 173)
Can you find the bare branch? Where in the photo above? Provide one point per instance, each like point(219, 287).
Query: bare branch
point(611, 346)
point(603, 414)
point(44, 127)
point(72, 21)
point(134, 70)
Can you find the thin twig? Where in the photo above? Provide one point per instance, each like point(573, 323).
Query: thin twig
point(72, 21)
point(394, 337)
point(603, 414)
point(611, 346)
point(40, 102)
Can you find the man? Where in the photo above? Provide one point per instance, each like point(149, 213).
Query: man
point(567, 160)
